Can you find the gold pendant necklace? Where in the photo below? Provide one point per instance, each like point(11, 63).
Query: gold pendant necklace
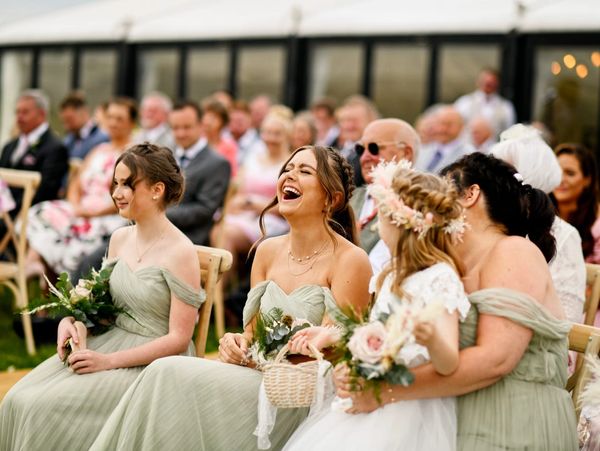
point(137, 252)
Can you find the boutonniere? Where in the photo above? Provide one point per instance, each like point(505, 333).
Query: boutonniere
point(33, 146)
point(29, 160)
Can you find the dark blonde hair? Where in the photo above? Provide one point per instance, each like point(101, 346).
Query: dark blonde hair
point(426, 193)
point(335, 176)
point(152, 164)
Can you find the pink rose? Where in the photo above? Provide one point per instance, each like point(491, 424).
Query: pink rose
point(367, 342)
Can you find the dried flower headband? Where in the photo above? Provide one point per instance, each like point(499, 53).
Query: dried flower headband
point(400, 214)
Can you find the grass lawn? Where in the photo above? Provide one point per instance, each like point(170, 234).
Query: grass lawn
point(12, 348)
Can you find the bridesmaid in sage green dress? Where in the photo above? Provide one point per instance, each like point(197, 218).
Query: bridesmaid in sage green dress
point(513, 365)
point(197, 404)
point(54, 408)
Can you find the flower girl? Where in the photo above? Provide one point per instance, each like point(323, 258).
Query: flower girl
point(420, 221)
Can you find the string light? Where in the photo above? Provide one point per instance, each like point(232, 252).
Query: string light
point(555, 67)
point(595, 59)
point(569, 61)
point(582, 71)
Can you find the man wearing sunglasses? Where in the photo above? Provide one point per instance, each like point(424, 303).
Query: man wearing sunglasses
point(382, 140)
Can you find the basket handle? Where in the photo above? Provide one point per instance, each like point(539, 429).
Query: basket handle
point(283, 351)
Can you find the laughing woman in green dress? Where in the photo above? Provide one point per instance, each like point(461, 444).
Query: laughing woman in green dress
point(53, 408)
point(513, 365)
point(184, 403)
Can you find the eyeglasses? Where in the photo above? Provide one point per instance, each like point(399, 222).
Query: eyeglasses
point(374, 147)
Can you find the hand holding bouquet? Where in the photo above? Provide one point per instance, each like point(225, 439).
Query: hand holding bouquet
point(273, 330)
point(371, 350)
point(89, 303)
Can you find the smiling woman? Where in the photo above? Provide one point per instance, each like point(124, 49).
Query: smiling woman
point(152, 280)
point(577, 197)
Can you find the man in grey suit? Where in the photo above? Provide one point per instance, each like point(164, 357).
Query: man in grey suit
point(154, 119)
point(207, 176)
point(449, 144)
point(382, 140)
point(206, 172)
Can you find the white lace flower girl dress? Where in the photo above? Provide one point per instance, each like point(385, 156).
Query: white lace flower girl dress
point(425, 424)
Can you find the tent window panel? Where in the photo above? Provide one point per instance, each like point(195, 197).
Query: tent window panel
point(157, 71)
point(208, 70)
point(261, 70)
point(566, 93)
point(335, 71)
point(56, 67)
point(459, 66)
point(15, 77)
point(400, 79)
point(98, 75)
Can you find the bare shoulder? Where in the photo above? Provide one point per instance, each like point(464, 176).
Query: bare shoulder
point(518, 264)
point(269, 247)
point(117, 239)
point(181, 259)
point(349, 253)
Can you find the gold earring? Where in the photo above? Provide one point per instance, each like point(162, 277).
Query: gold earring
point(154, 197)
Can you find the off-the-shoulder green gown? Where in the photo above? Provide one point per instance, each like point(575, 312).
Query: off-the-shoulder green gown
point(53, 408)
point(183, 403)
point(528, 409)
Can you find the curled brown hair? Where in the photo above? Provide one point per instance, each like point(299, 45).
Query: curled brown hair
point(152, 164)
point(335, 176)
point(426, 193)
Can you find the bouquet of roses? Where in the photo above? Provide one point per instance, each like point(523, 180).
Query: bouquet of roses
point(372, 349)
point(272, 332)
point(89, 302)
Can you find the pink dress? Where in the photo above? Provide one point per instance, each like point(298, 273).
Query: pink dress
point(64, 239)
point(259, 180)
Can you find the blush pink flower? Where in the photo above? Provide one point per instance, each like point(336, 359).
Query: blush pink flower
point(367, 342)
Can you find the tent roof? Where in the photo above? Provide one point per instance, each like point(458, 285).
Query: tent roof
point(181, 20)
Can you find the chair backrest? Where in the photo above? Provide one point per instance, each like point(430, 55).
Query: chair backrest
point(586, 341)
point(28, 181)
point(592, 297)
point(213, 263)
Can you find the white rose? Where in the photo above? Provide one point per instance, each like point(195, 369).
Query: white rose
point(367, 342)
point(79, 293)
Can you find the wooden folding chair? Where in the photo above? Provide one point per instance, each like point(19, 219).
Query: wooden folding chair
point(213, 263)
point(592, 297)
point(586, 341)
point(12, 274)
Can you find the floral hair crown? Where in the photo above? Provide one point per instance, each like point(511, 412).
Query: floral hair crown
point(400, 214)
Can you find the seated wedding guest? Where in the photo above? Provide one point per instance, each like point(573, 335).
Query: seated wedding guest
point(382, 140)
point(154, 119)
point(523, 147)
point(224, 97)
point(83, 134)
point(353, 117)
point(312, 272)
point(259, 108)
point(304, 131)
point(513, 361)
point(36, 148)
point(257, 184)
point(214, 120)
point(481, 134)
point(576, 198)
point(323, 111)
point(206, 181)
point(450, 143)
point(425, 272)
point(56, 407)
point(240, 128)
point(62, 232)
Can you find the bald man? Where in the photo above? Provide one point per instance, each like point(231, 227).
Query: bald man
point(449, 144)
point(382, 140)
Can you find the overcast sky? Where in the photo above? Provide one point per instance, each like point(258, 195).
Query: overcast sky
point(13, 10)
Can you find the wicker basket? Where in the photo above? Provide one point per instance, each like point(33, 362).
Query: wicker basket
point(291, 386)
